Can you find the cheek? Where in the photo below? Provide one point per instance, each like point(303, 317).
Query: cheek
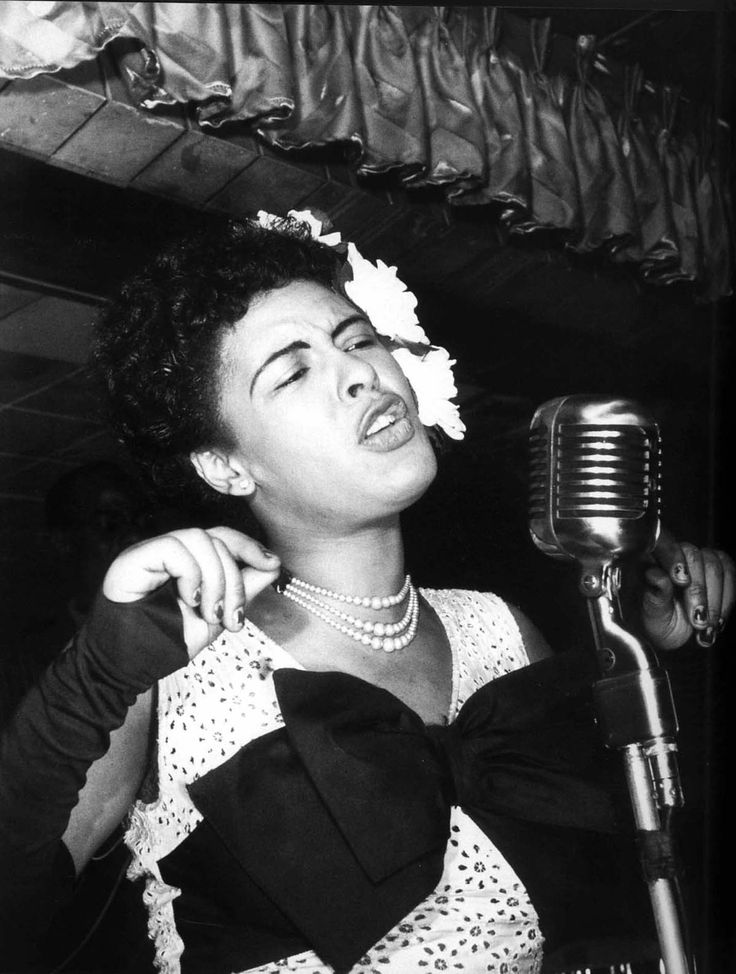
point(284, 444)
point(393, 376)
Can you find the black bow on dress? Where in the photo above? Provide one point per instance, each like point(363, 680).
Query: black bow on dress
point(342, 816)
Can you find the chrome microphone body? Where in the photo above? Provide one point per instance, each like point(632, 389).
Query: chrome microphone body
point(595, 499)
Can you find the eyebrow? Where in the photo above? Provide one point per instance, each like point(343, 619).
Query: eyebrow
point(293, 346)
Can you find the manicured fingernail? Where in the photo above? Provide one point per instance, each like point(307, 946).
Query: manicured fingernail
point(699, 615)
point(218, 611)
point(707, 637)
point(268, 554)
point(680, 573)
point(721, 624)
point(239, 615)
point(279, 584)
point(197, 596)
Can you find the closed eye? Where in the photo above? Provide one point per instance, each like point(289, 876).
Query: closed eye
point(293, 377)
point(358, 343)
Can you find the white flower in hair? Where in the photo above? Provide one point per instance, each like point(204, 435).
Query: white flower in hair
point(385, 299)
point(430, 376)
point(315, 226)
point(270, 222)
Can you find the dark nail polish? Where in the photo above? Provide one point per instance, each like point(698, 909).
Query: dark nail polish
point(707, 637)
point(197, 596)
point(239, 616)
point(280, 583)
point(721, 624)
point(681, 573)
point(218, 611)
point(699, 615)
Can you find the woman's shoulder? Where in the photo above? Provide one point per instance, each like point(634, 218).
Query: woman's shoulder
point(489, 609)
point(535, 644)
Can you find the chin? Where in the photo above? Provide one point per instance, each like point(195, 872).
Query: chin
point(413, 481)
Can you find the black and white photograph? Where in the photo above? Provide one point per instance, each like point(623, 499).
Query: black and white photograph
point(366, 533)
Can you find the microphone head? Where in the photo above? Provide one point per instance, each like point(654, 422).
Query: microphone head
point(594, 479)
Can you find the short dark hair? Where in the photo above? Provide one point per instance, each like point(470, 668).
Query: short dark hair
point(156, 347)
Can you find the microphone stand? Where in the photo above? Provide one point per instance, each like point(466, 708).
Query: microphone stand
point(636, 714)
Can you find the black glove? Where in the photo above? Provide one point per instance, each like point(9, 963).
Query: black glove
point(62, 726)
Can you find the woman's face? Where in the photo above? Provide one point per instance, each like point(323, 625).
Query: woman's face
point(320, 415)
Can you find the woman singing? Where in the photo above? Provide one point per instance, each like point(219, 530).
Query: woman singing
point(284, 728)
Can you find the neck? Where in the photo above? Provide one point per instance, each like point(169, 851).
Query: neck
point(368, 562)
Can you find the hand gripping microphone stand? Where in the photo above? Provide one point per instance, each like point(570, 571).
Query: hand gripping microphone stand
point(594, 498)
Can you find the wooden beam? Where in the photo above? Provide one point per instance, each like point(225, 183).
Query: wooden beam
point(194, 169)
point(117, 143)
point(39, 115)
point(267, 184)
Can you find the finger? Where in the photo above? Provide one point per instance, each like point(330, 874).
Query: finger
point(148, 565)
point(663, 616)
point(201, 546)
point(658, 591)
point(695, 596)
point(188, 575)
point(728, 597)
point(713, 571)
point(246, 549)
point(255, 581)
point(669, 555)
point(196, 631)
point(261, 567)
point(231, 611)
point(713, 574)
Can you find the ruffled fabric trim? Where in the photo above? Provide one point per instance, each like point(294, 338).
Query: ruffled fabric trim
point(158, 896)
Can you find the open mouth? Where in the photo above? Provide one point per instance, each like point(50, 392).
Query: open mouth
point(380, 423)
point(385, 414)
point(387, 425)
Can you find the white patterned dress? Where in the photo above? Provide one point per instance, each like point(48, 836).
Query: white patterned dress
point(479, 918)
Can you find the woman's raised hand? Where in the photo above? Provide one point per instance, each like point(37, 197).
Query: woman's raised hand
point(688, 590)
point(218, 571)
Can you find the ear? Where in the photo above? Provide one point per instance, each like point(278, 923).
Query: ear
point(223, 472)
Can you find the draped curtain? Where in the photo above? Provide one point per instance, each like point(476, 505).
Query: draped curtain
point(488, 106)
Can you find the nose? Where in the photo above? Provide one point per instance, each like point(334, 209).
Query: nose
point(357, 376)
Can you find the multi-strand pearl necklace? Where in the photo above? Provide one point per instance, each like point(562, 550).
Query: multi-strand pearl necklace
point(388, 636)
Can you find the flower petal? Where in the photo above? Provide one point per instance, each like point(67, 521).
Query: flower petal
point(430, 376)
point(385, 299)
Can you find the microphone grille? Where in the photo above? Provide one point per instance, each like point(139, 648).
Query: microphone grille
point(599, 471)
point(605, 471)
point(594, 478)
point(539, 472)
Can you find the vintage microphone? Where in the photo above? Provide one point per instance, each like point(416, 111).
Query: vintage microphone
point(594, 499)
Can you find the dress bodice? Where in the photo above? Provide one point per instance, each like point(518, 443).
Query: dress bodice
point(478, 918)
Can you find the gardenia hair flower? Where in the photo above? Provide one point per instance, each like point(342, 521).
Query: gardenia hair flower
point(430, 376)
point(271, 222)
point(390, 306)
point(385, 299)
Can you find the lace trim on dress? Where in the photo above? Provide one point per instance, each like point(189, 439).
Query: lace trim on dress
point(158, 896)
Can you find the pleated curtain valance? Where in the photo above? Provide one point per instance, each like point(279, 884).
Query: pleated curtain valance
point(489, 106)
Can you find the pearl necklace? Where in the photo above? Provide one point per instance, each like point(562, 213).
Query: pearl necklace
point(387, 636)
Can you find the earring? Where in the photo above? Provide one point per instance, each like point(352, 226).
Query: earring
point(245, 487)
